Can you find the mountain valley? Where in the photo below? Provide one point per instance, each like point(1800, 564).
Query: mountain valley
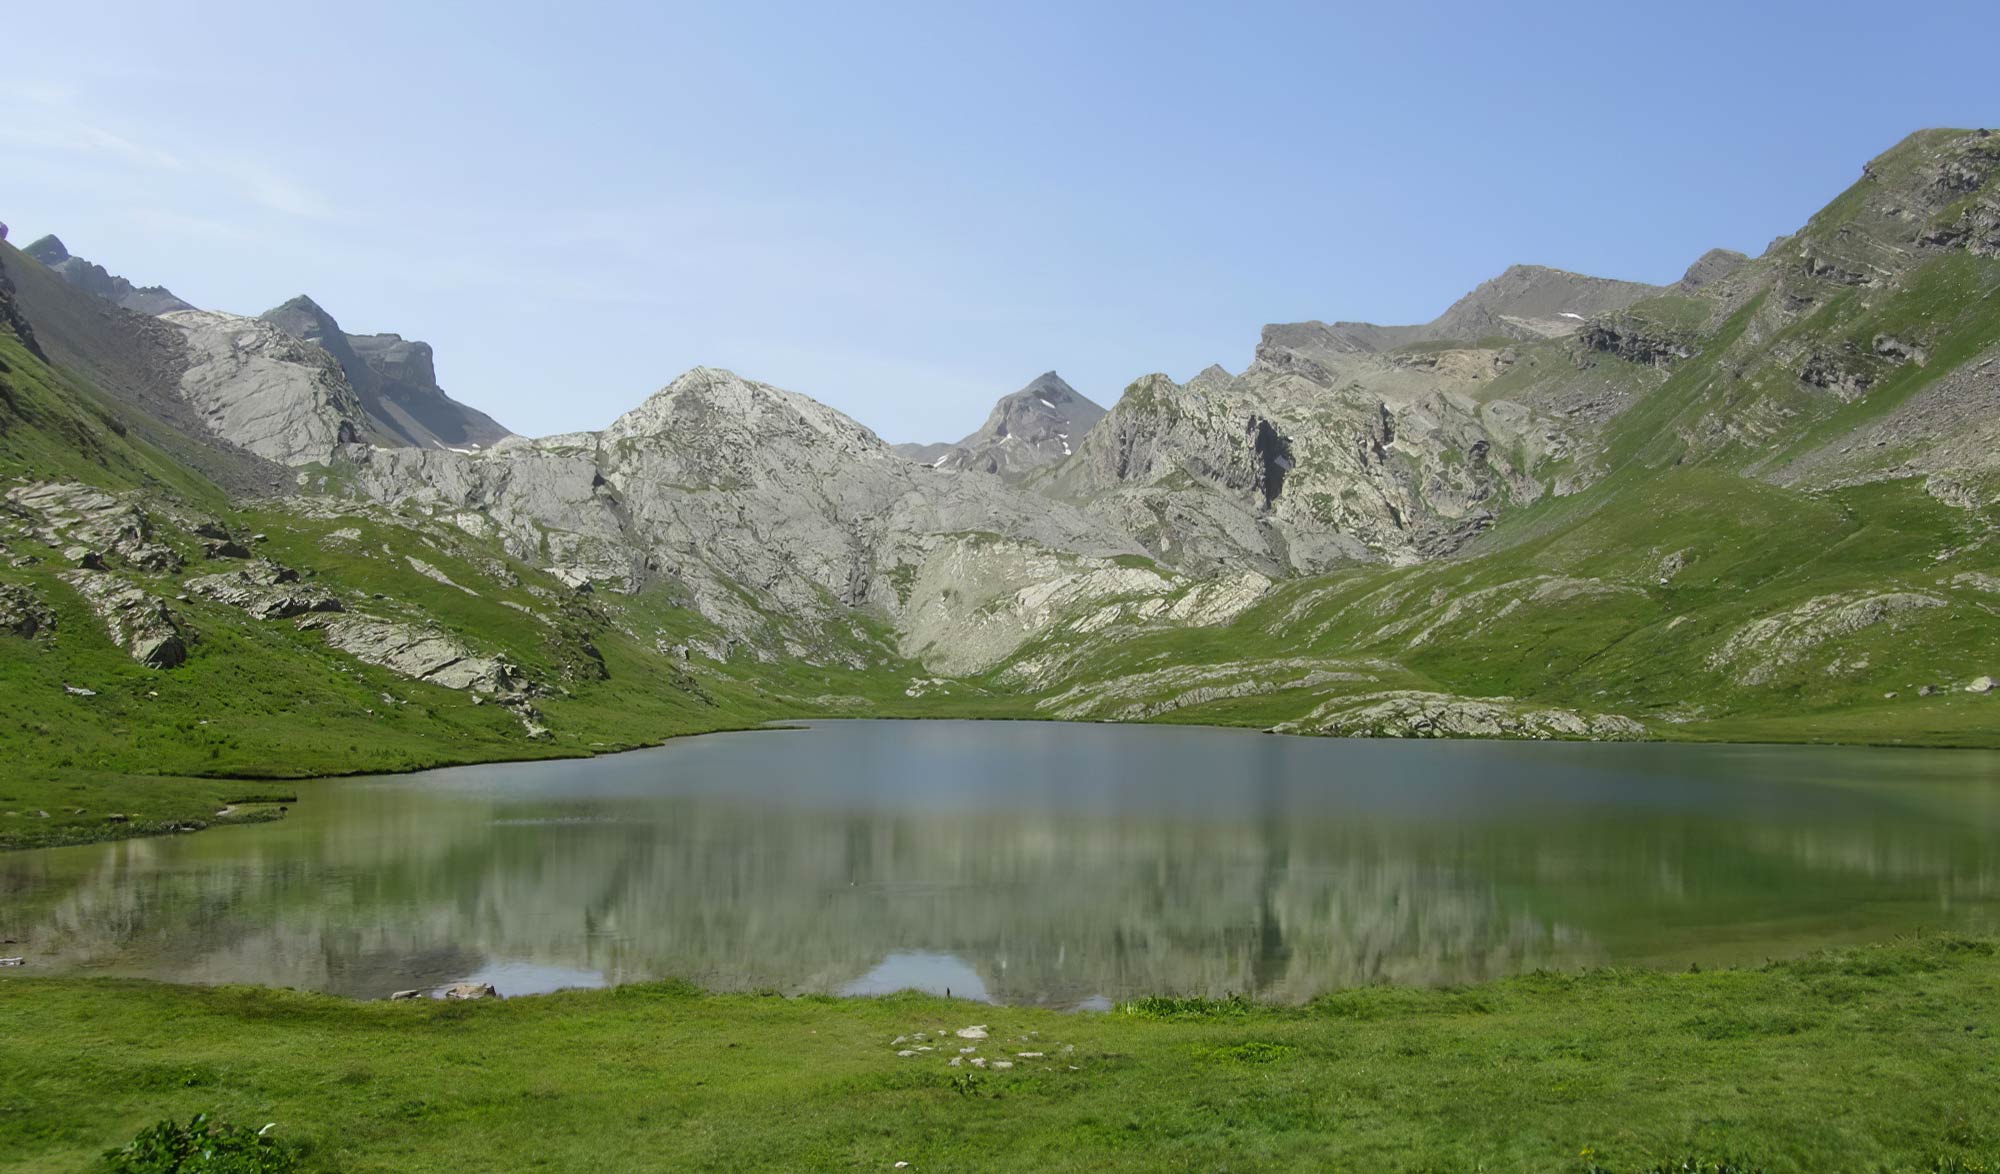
point(1754, 504)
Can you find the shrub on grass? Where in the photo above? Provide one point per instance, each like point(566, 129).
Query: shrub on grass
point(203, 1147)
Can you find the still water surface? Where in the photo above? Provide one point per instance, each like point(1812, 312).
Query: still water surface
point(1038, 863)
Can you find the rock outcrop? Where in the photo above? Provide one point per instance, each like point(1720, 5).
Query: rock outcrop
point(266, 591)
point(136, 620)
point(421, 654)
point(96, 525)
point(1411, 714)
point(1759, 652)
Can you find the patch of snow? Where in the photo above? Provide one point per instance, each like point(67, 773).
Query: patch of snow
point(1567, 314)
point(1044, 403)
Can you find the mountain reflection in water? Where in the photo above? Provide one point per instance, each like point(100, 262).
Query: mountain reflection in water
point(1037, 863)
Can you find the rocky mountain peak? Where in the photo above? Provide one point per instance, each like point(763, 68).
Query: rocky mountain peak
point(49, 250)
point(1709, 268)
point(709, 405)
point(303, 318)
point(1038, 425)
point(395, 377)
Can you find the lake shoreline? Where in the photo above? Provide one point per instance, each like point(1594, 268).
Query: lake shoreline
point(111, 832)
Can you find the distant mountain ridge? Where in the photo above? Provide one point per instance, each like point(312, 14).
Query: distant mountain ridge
point(95, 279)
point(385, 390)
point(1525, 302)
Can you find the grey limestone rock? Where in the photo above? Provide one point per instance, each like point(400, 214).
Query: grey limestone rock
point(92, 525)
point(137, 621)
point(266, 591)
point(259, 387)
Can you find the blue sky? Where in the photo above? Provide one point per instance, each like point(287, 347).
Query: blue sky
point(908, 210)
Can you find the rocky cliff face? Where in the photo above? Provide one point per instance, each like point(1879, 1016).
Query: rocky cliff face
point(395, 380)
point(97, 281)
point(1299, 465)
point(285, 400)
point(1038, 425)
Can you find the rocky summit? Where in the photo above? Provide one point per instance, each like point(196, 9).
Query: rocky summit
point(1756, 502)
point(1038, 425)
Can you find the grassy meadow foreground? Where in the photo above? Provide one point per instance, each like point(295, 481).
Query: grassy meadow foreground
point(1882, 1058)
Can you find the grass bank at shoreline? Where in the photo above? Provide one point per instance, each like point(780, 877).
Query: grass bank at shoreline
point(1879, 1058)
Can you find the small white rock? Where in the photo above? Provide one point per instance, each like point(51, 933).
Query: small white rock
point(906, 1053)
point(1003, 1063)
point(976, 1031)
point(1028, 1055)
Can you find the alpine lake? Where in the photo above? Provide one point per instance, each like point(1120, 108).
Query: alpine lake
point(1061, 865)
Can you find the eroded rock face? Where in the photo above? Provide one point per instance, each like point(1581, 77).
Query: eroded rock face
point(137, 621)
point(266, 591)
point(259, 387)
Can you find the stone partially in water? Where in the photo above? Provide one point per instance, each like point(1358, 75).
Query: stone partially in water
point(470, 990)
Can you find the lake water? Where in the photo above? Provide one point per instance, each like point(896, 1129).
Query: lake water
point(1066, 865)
